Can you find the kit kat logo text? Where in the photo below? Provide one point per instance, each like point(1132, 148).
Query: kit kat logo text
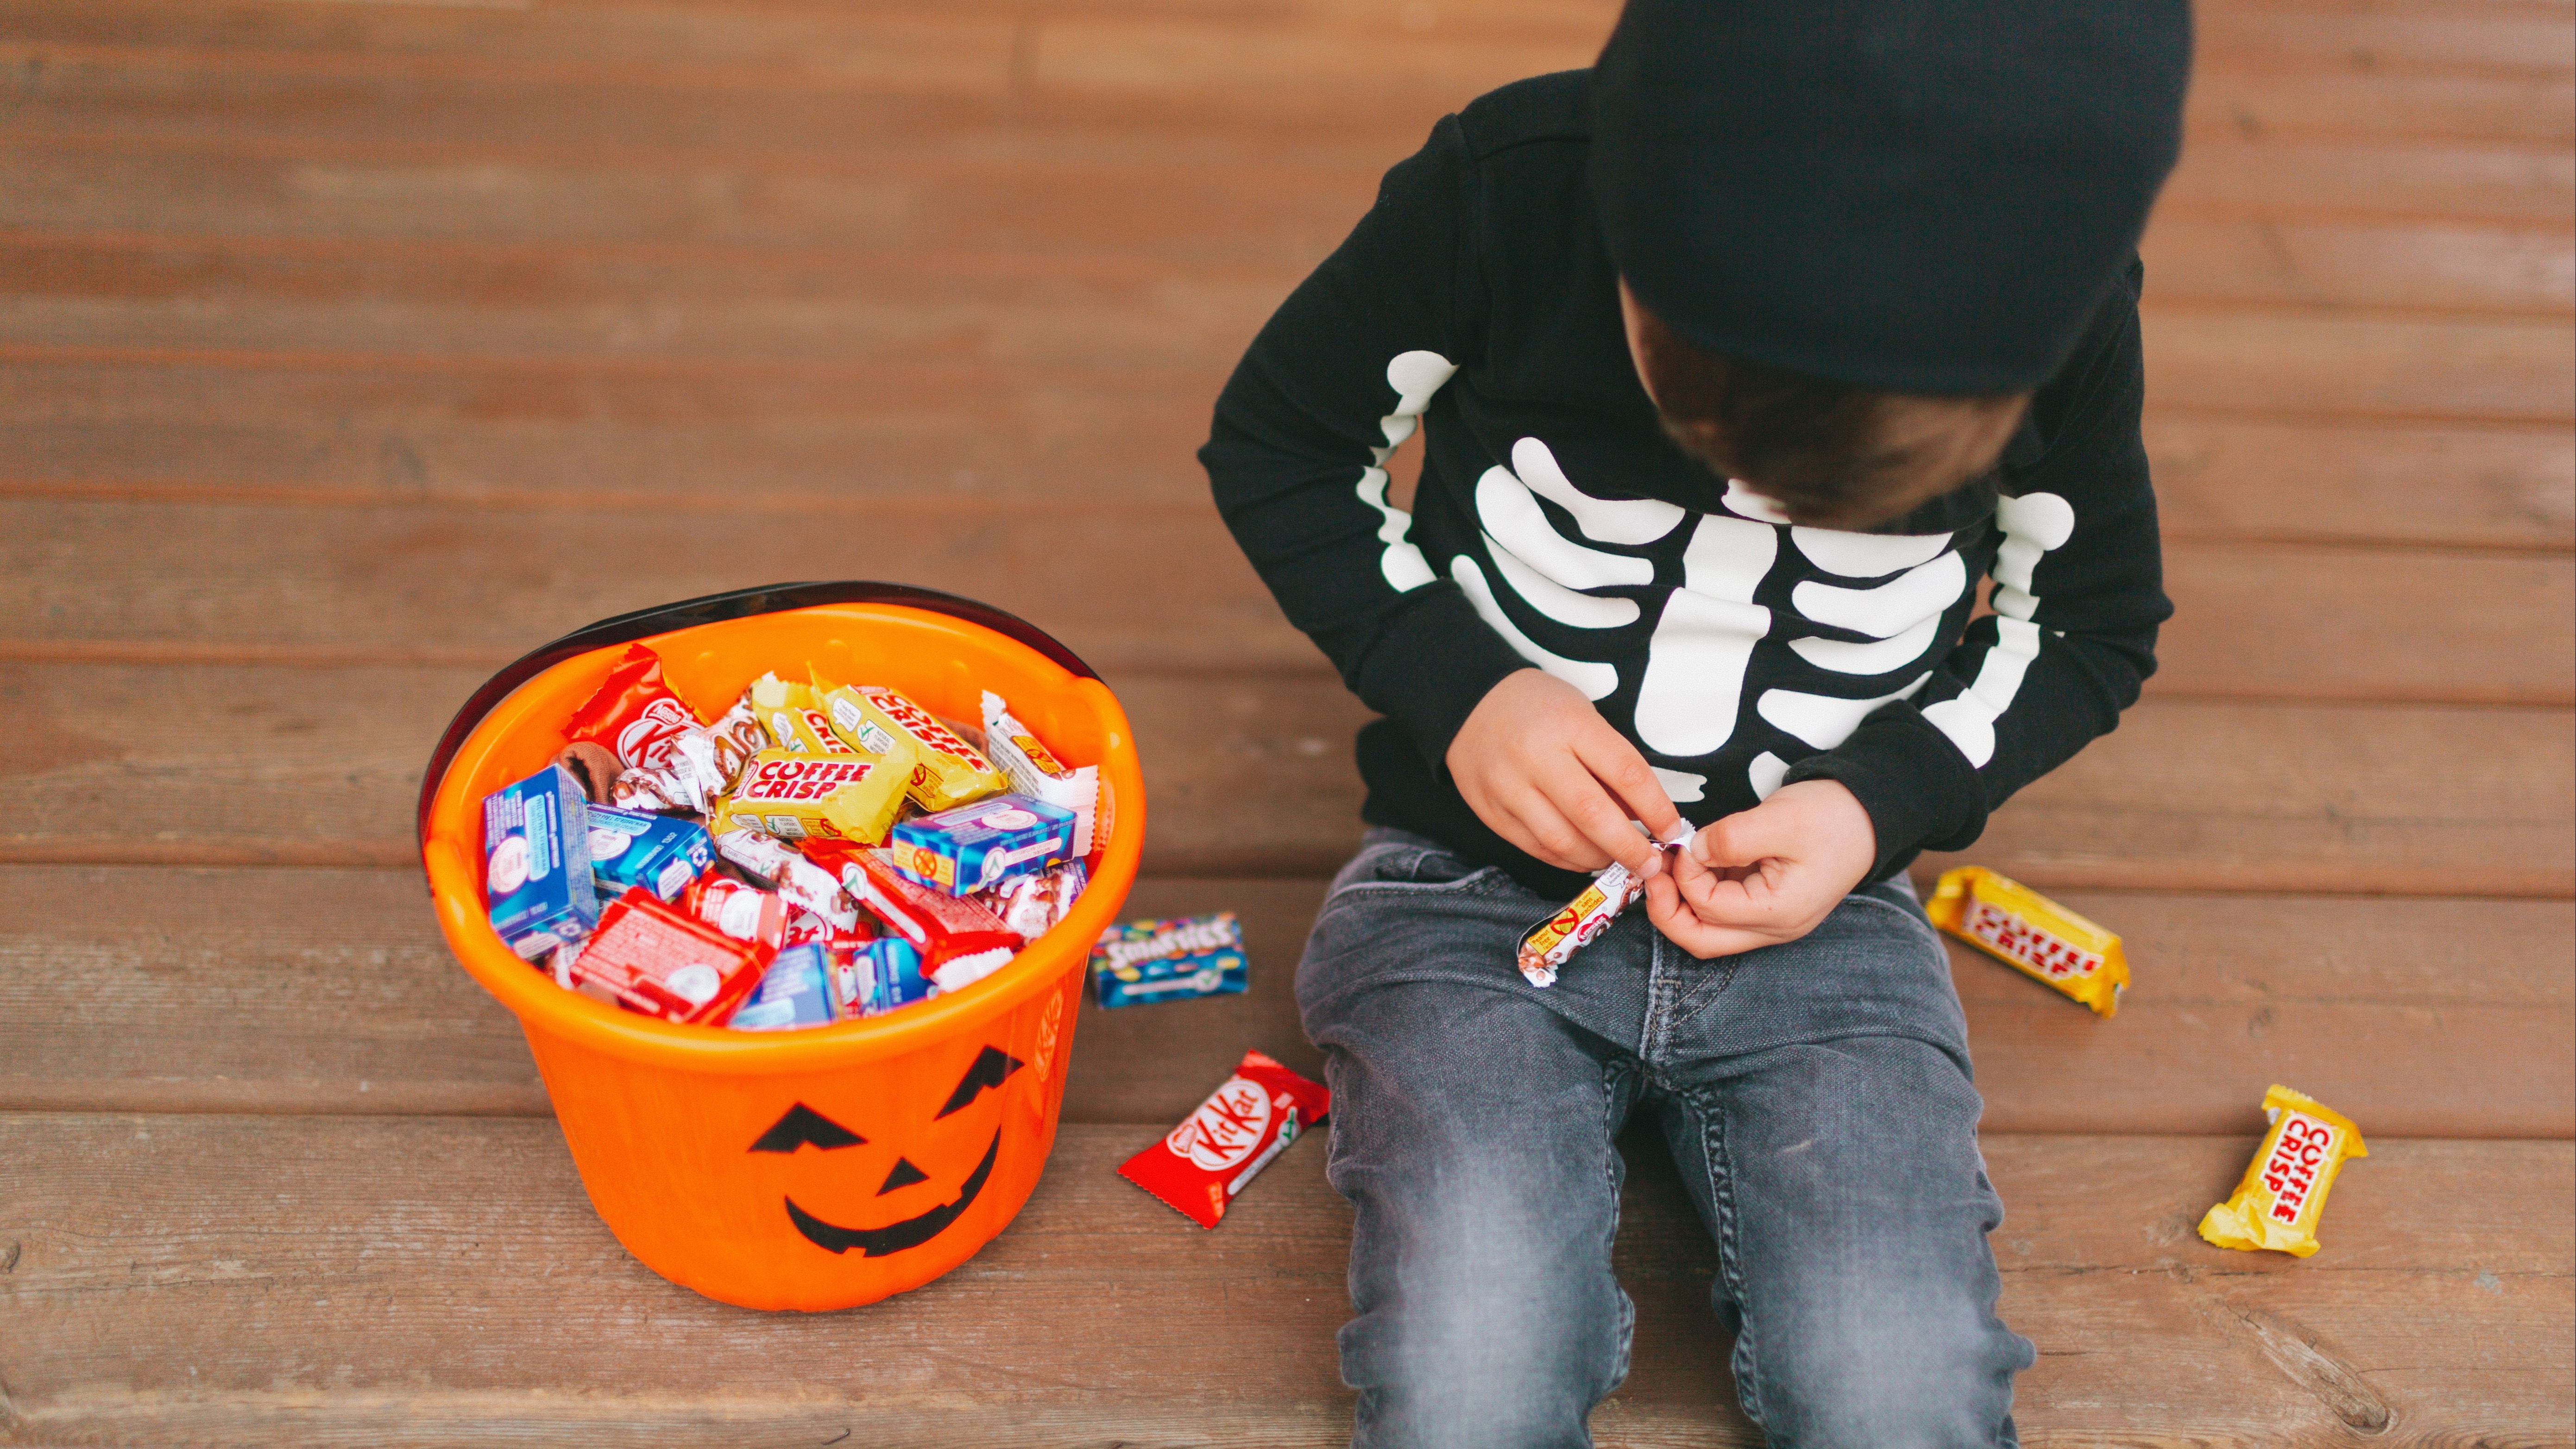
point(1226, 1127)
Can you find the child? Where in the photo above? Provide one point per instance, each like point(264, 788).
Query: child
point(1739, 358)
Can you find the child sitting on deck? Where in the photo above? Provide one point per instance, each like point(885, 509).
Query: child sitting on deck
point(1740, 359)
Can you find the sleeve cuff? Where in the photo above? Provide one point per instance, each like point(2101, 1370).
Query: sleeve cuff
point(1920, 792)
point(1430, 668)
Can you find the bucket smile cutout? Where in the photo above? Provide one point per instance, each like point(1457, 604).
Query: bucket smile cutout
point(801, 1126)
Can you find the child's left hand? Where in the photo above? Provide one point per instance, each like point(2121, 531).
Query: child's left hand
point(1767, 875)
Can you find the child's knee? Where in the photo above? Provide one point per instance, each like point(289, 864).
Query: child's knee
point(1924, 1367)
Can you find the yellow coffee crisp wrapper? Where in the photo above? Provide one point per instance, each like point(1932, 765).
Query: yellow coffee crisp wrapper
point(947, 771)
point(796, 795)
point(2284, 1191)
point(2024, 929)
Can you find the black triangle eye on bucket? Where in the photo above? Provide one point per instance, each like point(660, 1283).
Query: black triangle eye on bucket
point(716, 609)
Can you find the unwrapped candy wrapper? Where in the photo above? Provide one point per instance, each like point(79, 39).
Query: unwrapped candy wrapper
point(1199, 1166)
point(2284, 1191)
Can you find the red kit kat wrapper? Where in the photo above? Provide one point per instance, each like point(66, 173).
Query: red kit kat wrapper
point(1200, 1165)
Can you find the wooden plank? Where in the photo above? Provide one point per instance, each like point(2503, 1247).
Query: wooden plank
point(1045, 436)
point(2263, 101)
point(1265, 194)
point(2359, 264)
point(2452, 486)
point(2221, 640)
point(2316, 365)
point(1250, 775)
point(443, 585)
point(310, 991)
point(527, 304)
point(331, 1281)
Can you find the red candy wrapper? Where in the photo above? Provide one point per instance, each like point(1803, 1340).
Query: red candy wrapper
point(940, 926)
point(1200, 1165)
point(632, 711)
point(648, 957)
point(746, 913)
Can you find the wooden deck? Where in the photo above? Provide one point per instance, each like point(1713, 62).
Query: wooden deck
point(346, 349)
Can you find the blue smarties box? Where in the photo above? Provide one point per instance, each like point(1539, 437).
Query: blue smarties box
point(536, 863)
point(1167, 960)
point(974, 847)
point(640, 848)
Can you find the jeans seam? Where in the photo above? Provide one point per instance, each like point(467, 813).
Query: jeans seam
point(1627, 1333)
point(1911, 918)
point(1721, 1194)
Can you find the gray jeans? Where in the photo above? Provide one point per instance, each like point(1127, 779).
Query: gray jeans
point(1816, 1096)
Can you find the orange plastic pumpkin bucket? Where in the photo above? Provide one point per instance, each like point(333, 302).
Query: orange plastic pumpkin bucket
point(829, 1167)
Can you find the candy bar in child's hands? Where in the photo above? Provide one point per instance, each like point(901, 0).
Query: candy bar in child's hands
point(2284, 1191)
point(2024, 929)
point(1200, 1165)
point(941, 926)
point(648, 957)
point(947, 771)
point(1167, 960)
point(1032, 904)
point(537, 881)
point(804, 884)
point(1553, 942)
point(977, 847)
point(797, 796)
point(636, 847)
point(1033, 770)
point(744, 912)
point(795, 992)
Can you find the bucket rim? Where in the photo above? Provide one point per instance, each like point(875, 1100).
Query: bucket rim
point(718, 608)
point(543, 1007)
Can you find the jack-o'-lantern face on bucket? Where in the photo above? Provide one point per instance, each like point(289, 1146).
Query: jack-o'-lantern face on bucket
point(801, 1126)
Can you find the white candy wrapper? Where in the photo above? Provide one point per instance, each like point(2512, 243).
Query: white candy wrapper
point(1035, 772)
point(1553, 942)
point(799, 881)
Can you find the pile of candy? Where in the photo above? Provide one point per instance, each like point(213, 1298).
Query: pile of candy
point(819, 852)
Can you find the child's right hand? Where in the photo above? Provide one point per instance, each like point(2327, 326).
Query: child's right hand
point(1541, 766)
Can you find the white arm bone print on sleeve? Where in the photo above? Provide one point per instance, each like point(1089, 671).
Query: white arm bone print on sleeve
point(1415, 376)
point(2033, 524)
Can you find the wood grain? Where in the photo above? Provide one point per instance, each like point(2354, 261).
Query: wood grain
point(1250, 775)
point(255, 580)
point(343, 1281)
point(1025, 436)
point(315, 991)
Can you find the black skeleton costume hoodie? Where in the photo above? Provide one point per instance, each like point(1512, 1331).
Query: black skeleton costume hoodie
point(1555, 526)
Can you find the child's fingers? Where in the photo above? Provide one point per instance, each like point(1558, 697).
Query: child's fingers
point(1747, 838)
point(1683, 927)
point(1599, 819)
point(1623, 772)
point(1545, 832)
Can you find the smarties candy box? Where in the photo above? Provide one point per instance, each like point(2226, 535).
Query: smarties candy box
point(1165, 960)
point(2284, 1191)
point(1199, 1166)
point(976, 847)
point(658, 852)
point(2026, 930)
point(536, 863)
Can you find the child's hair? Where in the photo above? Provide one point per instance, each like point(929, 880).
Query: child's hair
point(1828, 453)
